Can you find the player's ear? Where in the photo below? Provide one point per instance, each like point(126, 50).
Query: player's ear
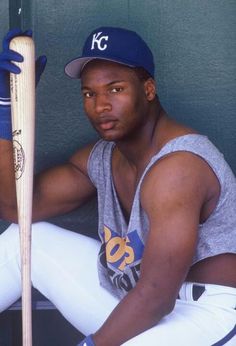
point(150, 89)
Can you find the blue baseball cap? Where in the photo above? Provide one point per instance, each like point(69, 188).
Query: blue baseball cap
point(114, 44)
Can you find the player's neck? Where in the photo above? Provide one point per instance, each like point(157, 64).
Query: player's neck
point(139, 148)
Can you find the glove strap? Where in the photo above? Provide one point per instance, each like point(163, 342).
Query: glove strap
point(5, 101)
point(5, 119)
point(88, 341)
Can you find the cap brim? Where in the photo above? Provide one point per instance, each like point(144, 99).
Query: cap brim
point(74, 68)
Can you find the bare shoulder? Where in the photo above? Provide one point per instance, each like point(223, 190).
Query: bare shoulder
point(80, 158)
point(181, 177)
point(178, 167)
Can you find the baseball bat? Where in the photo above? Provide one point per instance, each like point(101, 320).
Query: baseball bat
point(23, 128)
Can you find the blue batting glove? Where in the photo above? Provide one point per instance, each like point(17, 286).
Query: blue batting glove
point(7, 59)
point(88, 341)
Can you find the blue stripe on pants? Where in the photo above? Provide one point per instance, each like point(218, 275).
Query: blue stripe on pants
point(227, 337)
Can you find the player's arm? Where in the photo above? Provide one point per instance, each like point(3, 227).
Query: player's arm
point(56, 191)
point(173, 194)
point(63, 188)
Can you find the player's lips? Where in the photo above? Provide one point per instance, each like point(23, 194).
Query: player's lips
point(106, 123)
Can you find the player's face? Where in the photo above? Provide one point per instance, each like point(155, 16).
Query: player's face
point(114, 100)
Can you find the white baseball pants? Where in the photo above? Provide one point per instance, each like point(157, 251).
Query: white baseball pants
point(64, 269)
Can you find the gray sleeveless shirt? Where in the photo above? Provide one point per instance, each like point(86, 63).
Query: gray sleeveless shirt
point(123, 244)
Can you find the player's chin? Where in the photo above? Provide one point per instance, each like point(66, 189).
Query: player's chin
point(110, 135)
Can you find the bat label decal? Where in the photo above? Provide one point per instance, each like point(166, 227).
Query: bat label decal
point(19, 159)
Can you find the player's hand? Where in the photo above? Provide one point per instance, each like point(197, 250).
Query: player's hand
point(8, 57)
point(7, 65)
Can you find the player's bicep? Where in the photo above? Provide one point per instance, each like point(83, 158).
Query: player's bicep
point(172, 197)
point(62, 189)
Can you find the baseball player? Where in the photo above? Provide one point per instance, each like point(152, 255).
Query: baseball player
point(163, 271)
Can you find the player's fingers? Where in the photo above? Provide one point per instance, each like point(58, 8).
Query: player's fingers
point(9, 36)
point(9, 67)
point(11, 55)
point(28, 33)
point(13, 33)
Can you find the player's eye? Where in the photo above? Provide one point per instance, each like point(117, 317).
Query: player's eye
point(116, 90)
point(88, 94)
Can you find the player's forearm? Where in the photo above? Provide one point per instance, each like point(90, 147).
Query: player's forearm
point(8, 205)
point(8, 208)
point(136, 313)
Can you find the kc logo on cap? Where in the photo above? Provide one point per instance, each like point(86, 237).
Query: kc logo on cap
point(99, 41)
point(113, 44)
